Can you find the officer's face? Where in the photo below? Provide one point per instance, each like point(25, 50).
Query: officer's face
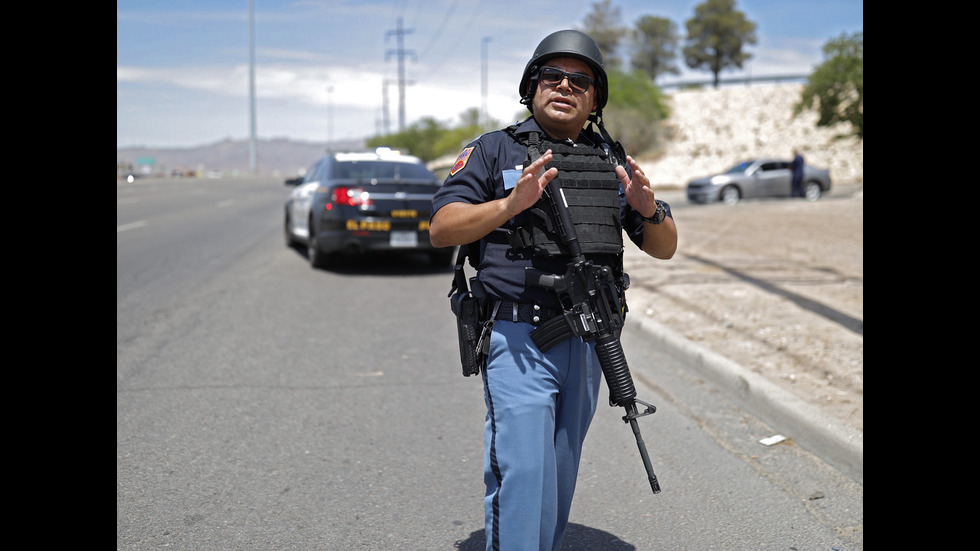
point(560, 108)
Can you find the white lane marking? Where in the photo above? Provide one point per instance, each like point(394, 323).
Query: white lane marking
point(131, 225)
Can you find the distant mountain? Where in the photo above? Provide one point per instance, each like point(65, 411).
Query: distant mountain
point(710, 130)
point(276, 157)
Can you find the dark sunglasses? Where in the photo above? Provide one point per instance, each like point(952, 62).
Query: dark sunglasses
point(552, 76)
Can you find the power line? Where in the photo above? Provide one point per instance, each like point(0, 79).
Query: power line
point(463, 31)
point(442, 25)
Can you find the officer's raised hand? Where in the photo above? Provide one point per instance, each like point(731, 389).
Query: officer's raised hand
point(639, 194)
point(459, 223)
point(531, 185)
point(659, 240)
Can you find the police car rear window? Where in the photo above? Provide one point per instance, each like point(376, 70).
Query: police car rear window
point(382, 170)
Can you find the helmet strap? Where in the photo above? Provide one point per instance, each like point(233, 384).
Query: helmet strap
point(532, 84)
point(597, 119)
point(618, 152)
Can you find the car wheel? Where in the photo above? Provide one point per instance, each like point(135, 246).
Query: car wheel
point(730, 195)
point(812, 191)
point(317, 258)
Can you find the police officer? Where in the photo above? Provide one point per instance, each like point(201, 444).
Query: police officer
point(540, 404)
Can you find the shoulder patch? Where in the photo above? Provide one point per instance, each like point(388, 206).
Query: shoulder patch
point(461, 160)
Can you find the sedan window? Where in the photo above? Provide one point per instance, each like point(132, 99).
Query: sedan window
point(381, 170)
point(738, 169)
point(416, 172)
point(311, 173)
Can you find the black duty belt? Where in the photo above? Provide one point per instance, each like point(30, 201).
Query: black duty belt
point(526, 312)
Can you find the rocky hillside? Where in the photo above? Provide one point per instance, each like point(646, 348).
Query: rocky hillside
point(713, 129)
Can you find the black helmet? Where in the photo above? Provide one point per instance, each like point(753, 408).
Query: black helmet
point(567, 43)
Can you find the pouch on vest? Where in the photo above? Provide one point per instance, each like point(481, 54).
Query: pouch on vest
point(590, 190)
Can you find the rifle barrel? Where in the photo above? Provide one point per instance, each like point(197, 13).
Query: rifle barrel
point(654, 485)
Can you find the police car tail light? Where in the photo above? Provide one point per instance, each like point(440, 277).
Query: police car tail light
point(351, 196)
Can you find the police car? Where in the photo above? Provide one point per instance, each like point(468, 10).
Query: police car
point(355, 203)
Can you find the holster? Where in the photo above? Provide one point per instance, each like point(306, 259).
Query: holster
point(468, 309)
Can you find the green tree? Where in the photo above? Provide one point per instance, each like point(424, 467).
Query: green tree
point(453, 139)
point(635, 112)
point(835, 89)
point(716, 35)
point(604, 25)
point(429, 139)
point(654, 46)
point(418, 139)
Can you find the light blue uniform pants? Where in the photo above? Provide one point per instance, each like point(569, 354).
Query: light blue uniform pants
point(539, 407)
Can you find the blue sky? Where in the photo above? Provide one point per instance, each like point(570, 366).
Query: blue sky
point(182, 66)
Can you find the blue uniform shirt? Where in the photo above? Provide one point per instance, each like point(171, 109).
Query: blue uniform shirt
point(487, 169)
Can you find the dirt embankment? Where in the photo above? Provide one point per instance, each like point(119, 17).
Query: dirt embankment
point(712, 129)
point(777, 286)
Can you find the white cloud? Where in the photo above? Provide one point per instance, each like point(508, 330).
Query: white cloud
point(184, 77)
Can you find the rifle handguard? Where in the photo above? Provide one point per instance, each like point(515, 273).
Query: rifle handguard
point(613, 362)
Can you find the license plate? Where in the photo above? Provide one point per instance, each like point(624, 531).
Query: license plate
point(404, 239)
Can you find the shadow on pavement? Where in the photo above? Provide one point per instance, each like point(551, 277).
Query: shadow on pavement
point(392, 263)
point(577, 538)
point(848, 322)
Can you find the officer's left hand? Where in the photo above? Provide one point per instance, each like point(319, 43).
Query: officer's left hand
point(639, 194)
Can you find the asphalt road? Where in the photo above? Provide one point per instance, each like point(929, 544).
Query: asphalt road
point(261, 404)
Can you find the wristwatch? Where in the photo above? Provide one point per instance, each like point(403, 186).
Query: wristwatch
point(658, 216)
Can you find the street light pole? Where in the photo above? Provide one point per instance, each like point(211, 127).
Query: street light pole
point(483, 111)
point(329, 117)
point(251, 86)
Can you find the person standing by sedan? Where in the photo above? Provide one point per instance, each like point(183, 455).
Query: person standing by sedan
point(797, 168)
point(540, 403)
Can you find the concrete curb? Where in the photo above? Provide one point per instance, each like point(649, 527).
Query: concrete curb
point(828, 437)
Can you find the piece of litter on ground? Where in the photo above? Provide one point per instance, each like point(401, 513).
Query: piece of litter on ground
point(774, 439)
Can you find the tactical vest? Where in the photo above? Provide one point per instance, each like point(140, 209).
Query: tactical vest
point(590, 188)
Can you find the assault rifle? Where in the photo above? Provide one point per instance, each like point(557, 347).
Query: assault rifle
point(592, 309)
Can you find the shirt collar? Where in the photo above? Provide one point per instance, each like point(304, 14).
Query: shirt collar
point(531, 125)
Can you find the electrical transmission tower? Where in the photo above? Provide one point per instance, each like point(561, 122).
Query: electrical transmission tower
point(401, 53)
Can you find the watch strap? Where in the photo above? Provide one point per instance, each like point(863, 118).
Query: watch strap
point(658, 216)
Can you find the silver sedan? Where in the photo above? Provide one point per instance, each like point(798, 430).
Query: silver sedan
point(757, 178)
